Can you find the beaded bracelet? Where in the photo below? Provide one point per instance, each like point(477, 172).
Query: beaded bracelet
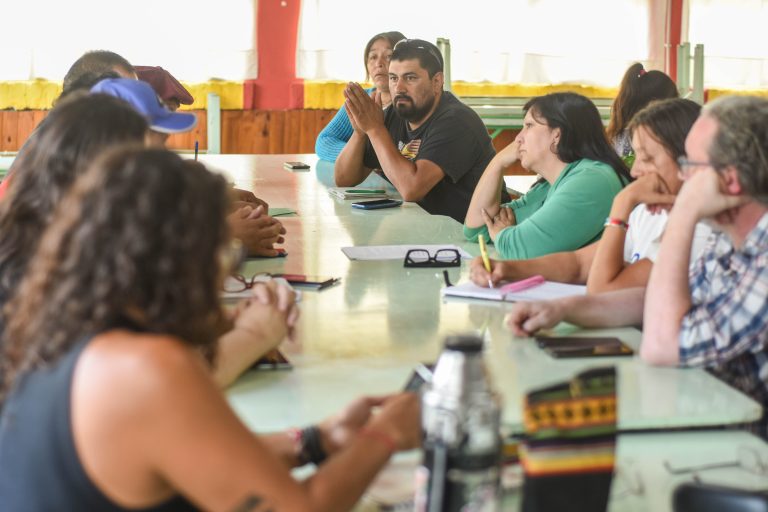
point(610, 221)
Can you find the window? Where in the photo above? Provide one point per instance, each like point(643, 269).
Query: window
point(194, 39)
point(735, 54)
point(503, 41)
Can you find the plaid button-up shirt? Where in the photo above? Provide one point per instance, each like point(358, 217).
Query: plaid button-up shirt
point(726, 329)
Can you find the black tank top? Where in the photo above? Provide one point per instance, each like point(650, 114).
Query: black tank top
point(39, 466)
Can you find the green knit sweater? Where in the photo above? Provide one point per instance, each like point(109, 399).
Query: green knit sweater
point(563, 216)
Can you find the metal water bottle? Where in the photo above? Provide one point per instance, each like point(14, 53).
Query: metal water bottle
point(460, 417)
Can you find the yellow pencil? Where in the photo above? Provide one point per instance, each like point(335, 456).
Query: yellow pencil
point(484, 254)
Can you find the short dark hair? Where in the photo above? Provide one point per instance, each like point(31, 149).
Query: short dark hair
point(742, 141)
point(668, 122)
point(428, 54)
point(638, 88)
point(393, 37)
point(85, 82)
point(581, 130)
point(118, 251)
point(95, 62)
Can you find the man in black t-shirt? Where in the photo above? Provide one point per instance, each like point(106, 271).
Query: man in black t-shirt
point(428, 144)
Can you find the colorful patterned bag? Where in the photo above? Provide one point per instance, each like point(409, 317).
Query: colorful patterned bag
point(568, 455)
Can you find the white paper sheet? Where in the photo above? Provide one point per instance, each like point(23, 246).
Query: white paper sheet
point(394, 252)
point(547, 291)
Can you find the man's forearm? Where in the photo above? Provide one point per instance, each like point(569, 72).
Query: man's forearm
point(349, 169)
point(400, 171)
point(668, 296)
point(610, 309)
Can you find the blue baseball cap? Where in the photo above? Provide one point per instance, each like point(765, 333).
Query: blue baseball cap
point(143, 98)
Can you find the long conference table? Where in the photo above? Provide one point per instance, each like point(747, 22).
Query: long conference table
point(366, 334)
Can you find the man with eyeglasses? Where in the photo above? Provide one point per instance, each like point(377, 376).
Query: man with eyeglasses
point(716, 316)
point(428, 144)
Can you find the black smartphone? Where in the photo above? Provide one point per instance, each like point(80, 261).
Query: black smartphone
point(420, 376)
point(593, 346)
point(311, 282)
point(272, 360)
point(377, 204)
point(296, 166)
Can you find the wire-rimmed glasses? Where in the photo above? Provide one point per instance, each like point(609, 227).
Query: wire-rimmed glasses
point(747, 459)
point(237, 283)
point(686, 165)
point(423, 258)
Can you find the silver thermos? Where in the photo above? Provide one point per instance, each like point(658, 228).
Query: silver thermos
point(460, 417)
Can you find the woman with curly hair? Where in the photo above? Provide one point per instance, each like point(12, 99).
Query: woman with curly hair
point(73, 134)
point(109, 404)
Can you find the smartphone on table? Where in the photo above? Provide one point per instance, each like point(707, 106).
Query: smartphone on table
point(377, 204)
point(593, 346)
point(308, 281)
point(296, 166)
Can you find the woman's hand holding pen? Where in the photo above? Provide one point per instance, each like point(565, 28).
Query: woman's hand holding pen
point(480, 276)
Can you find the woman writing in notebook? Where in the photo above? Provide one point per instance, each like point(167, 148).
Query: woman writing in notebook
point(108, 399)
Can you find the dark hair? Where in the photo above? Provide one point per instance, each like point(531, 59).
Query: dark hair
point(428, 54)
point(119, 251)
point(581, 129)
point(638, 88)
point(85, 82)
point(668, 122)
point(96, 62)
point(59, 150)
point(393, 37)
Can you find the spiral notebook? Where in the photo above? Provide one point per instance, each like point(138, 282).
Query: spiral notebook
point(547, 291)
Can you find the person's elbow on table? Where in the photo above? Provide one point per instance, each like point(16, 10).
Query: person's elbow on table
point(657, 351)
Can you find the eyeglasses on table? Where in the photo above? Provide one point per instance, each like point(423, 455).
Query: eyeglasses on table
point(236, 283)
point(422, 258)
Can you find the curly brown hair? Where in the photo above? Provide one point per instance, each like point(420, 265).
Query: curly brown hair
point(138, 239)
point(60, 149)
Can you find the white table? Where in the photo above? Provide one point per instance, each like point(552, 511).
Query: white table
point(366, 334)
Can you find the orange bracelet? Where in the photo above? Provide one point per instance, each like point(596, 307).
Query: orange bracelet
point(610, 221)
point(380, 436)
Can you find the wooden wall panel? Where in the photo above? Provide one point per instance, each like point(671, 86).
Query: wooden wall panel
point(10, 131)
point(186, 141)
point(242, 131)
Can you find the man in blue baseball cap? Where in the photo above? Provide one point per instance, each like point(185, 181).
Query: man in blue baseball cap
point(143, 98)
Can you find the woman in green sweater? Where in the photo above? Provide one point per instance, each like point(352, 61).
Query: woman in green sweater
point(564, 142)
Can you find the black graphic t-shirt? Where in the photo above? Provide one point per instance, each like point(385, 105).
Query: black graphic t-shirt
point(455, 139)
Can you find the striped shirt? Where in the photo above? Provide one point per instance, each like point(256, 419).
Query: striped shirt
point(726, 329)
